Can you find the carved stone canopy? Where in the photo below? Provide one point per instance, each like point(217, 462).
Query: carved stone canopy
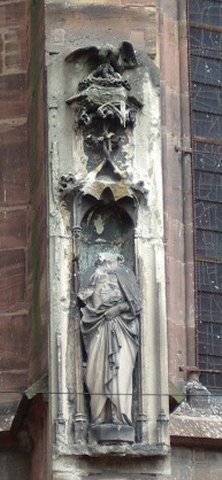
point(104, 105)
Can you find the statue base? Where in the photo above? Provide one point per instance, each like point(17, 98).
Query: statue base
point(112, 433)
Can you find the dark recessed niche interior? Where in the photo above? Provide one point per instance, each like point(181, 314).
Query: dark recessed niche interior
point(106, 226)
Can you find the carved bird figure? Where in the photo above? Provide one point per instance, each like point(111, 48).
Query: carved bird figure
point(120, 58)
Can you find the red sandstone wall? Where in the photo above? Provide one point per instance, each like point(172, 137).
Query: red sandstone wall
point(177, 185)
point(14, 198)
point(23, 233)
point(37, 237)
point(37, 425)
point(22, 200)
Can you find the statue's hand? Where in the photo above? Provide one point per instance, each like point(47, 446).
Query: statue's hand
point(116, 310)
point(112, 312)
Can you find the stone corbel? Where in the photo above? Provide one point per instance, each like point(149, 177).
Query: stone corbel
point(104, 104)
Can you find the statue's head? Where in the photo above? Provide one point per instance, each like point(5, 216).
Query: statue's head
point(109, 259)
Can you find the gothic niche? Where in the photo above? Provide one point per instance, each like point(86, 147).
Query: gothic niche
point(108, 317)
point(110, 301)
point(104, 104)
point(110, 222)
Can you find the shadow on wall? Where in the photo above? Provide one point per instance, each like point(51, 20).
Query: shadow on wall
point(14, 465)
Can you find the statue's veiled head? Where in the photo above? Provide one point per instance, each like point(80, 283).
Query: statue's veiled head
point(109, 260)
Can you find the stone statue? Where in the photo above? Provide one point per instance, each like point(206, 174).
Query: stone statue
point(110, 329)
point(121, 57)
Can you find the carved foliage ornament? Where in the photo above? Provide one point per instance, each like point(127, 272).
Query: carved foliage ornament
point(104, 103)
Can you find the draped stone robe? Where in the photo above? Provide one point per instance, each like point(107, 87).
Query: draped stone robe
point(110, 331)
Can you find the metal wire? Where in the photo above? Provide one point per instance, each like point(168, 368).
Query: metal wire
point(11, 392)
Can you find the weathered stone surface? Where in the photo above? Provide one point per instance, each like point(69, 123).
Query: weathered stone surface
point(111, 23)
point(111, 466)
point(14, 465)
point(13, 383)
point(13, 216)
point(196, 464)
point(177, 176)
point(14, 173)
point(205, 426)
point(198, 417)
point(9, 85)
point(112, 3)
point(118, 451)
point(22, 140)
point(13, 228)
point(113, 476)
point(12, 280)
point(13, 339)
point(132, 171)
point(12, 13)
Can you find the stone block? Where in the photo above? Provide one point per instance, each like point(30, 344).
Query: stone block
point(65, 476)
point(214, 475)
point(12, 13)
point(199, 455)
point(14, 176)
point(138, 3)
point(110, 433)
point(14, 341)
point(1, 53)
point(201, 472)
point(13, 227)
point(107, 22)
point(15, 45)
point(170, 10)
point(198, 396)
point(14, 465)
point(12, 96)
point(214, 457)
point(13, 384)
point(182, 455)
point(12, 280)
point(181, 464)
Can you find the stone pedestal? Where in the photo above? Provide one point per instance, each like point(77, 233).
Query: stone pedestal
point(111, 433)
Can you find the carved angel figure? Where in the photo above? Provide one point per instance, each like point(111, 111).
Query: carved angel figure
point(110, 332)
